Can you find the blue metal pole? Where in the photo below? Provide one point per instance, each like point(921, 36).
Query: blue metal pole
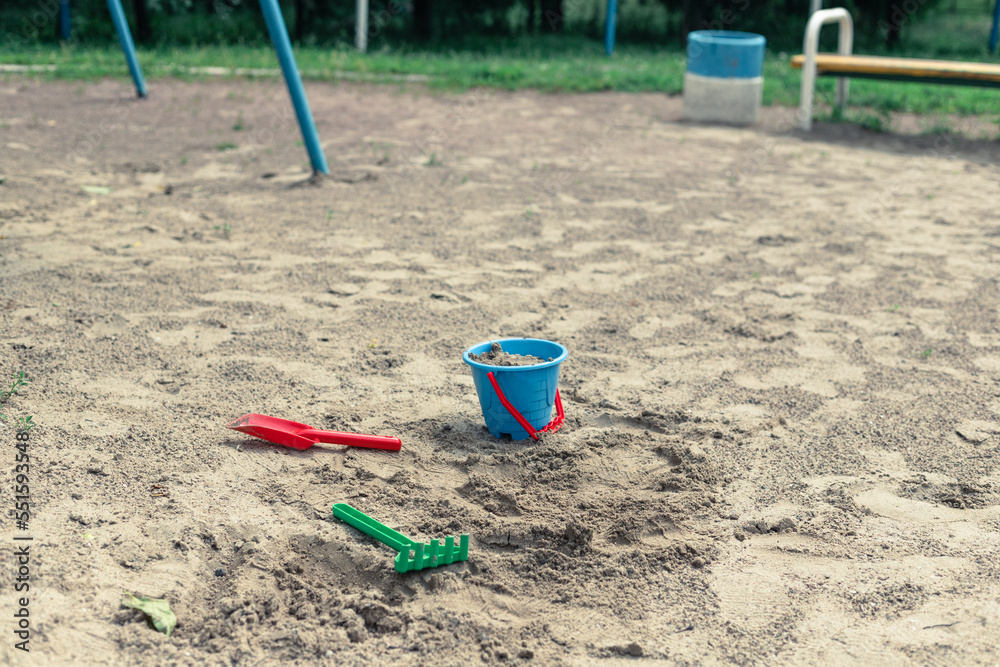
point(609, 27)
point(995, 32)
point(283, 47)
point(64, 26)
point(125, 37)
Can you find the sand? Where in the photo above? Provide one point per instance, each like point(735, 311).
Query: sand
point(781, 392)
point(496, 356)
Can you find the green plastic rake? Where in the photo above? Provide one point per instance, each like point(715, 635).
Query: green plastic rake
point(412, 555)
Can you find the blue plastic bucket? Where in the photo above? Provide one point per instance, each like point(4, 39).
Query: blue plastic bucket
point(530, 389)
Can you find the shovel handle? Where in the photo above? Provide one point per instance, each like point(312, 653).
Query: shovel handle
point(352, 439)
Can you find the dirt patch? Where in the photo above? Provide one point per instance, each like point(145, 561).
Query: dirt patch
point(781, 407)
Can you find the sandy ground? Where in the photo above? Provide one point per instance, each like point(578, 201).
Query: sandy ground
point(782, 390)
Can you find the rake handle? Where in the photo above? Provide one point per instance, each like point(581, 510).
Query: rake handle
point(372, 528)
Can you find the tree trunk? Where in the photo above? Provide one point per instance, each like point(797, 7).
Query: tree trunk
point(423, 19)
point(143, 30)
point(892, 33)
point(532, 28)
point(58, 23)
point(692, 19)
point(300, 20)
point(552, 15)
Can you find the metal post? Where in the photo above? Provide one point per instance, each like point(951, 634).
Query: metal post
point(845, 45)
point(283, 47)
point(810, 47)
point(125, 38)
point(609, 26)
point(995, 32)
point(361, 25)
point(64, 25)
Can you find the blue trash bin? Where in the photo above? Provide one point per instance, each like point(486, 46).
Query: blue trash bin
point(724, 81)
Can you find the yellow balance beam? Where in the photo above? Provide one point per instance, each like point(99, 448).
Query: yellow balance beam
point(903, 68)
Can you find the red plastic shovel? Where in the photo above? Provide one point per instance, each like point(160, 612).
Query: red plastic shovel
point(302, 436)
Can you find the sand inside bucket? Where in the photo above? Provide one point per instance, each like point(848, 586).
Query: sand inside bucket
point(497, 357)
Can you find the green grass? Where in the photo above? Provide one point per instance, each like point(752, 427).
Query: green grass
point(569, 64)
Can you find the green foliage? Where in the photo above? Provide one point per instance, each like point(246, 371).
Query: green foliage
point(158, 611)
point(876, 120)
point(24, 424)
point(455, 24)
point(15, 386)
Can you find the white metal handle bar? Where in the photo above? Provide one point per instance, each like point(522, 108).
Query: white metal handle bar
point(810, 47)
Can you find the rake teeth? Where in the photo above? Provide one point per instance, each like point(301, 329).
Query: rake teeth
point(449, 550)
point(432, 555)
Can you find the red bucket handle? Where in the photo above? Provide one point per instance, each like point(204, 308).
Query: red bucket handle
point(552, 426)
